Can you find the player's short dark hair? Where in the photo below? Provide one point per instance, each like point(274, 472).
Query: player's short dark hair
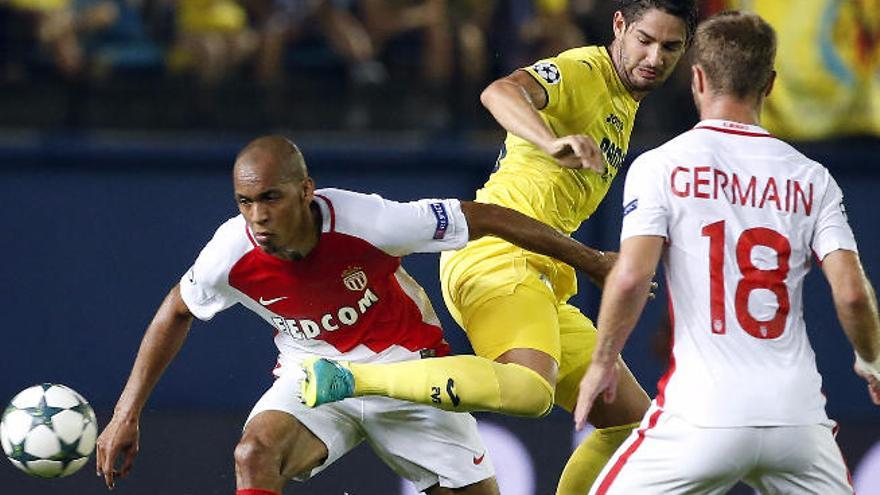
point(736, 51)
point(686, 10)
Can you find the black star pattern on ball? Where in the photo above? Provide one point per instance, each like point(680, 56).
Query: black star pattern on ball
point(42, 413)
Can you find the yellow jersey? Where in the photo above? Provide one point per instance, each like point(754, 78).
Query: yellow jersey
point(584, 96)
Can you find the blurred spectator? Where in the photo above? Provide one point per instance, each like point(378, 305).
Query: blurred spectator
point(592, 18)
point(550, 29)
point(57, 25)
point(472, 22)
point(388, 20)
point(213, 39)
point(439, 54)
point(123, 45)
point(283, 22)
point(538, 29)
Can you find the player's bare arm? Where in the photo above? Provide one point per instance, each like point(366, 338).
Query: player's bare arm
point(162, 340)
point(856, 305)
point(526, 232)
point(623, 299)
point(514, 101)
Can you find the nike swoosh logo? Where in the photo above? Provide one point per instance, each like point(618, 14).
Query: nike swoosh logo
point(450, 389)
point(266, 302)
point(479, 460)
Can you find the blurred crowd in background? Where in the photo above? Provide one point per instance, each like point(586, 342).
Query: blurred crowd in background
point(379, 64)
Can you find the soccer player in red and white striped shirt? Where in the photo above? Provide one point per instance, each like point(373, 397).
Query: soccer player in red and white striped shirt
point(323, 269)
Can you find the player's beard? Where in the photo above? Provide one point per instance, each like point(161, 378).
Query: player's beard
point(272, 248)
point(647, 85)
point(269, 247)
point(634, 83)
point(637, 83)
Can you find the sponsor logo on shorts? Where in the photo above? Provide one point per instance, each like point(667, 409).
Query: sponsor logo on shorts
point(442, 220)
point(630, 207)
point(479, 460)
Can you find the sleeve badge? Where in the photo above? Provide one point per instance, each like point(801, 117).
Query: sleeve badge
point(548, 71)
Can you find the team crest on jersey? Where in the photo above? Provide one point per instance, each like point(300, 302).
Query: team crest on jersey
point(354, 279)
point(548, 71)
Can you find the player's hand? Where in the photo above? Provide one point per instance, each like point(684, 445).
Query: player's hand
point(873, 379)
point(119, 439)
point(577, 151)
point(874, 391)
point(600, 274)
point(599, 379)
point(608, 259)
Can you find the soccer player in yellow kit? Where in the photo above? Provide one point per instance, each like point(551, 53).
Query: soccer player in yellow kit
point(569, 120)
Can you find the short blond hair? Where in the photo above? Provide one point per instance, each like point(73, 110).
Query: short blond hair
point(736, 51)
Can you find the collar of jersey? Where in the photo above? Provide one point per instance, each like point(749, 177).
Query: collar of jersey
point(732, 127)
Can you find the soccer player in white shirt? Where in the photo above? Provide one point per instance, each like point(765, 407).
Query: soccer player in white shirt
point(323, 268)
point(736, 215)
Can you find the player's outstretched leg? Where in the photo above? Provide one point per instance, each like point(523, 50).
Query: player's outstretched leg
point(454, 383)
point(325, 381)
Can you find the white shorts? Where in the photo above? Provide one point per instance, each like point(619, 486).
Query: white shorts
point(669, 455)
point(425, 445)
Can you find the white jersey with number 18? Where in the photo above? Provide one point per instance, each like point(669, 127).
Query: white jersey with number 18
point(743, 213)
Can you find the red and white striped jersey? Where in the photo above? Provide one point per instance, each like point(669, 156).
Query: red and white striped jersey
point(349, 298)
point(743, 213)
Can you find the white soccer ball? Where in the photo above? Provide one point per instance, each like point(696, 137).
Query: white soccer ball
point(48, 431)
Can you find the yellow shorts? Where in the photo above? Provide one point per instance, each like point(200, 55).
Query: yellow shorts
point(505, 303)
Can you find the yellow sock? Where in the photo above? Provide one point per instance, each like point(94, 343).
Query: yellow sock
point(587, 461)
point(458, 383)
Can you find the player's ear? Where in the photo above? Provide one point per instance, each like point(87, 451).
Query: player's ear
point(770, 82)
point(307, 186)
point(698, 80)
point(618, 24)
